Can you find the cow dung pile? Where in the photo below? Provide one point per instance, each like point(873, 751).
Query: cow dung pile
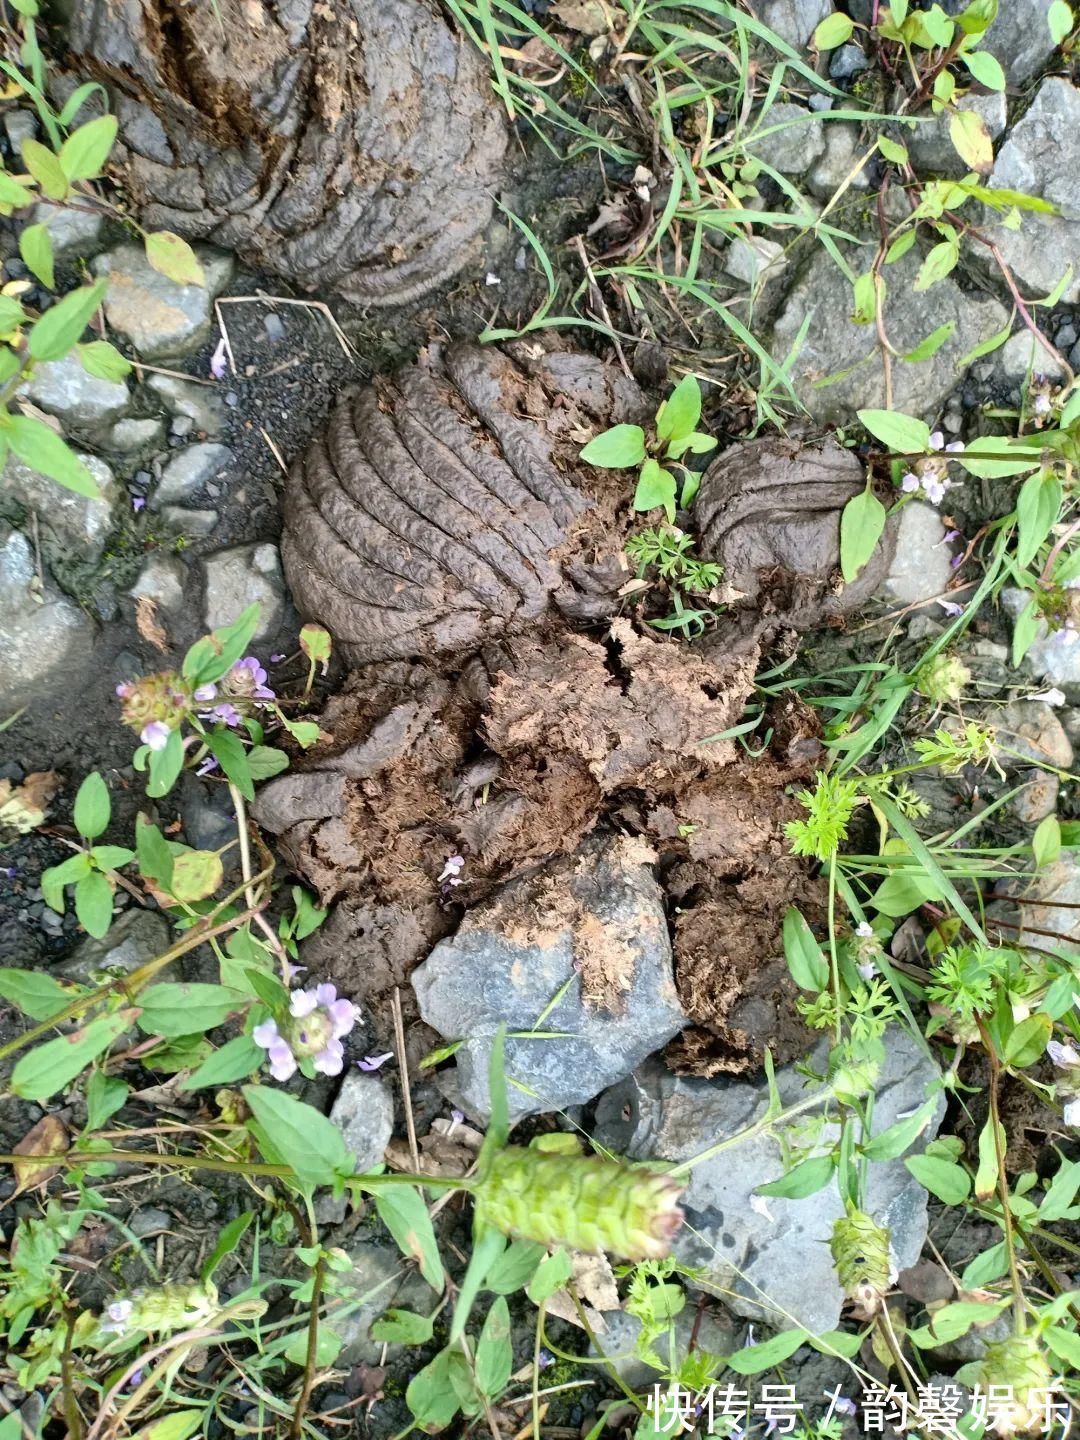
point(345, 144)
point(506, 705)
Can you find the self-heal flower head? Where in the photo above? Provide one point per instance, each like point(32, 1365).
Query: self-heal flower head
point(247, 679)
point(317, 1022)
point(278, 1051)
point(864, 930)
point(156, 734)
point(162, 697)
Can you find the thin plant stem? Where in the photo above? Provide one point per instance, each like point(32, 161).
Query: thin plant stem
point(1019, 1309)
point(312, 1350)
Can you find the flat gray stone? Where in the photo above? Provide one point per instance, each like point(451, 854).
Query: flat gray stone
point(20, 125)
point(200, 403)
point(240, 577)
point(1056, 890)
point(1037, 799)
point(364, 1113)
point(69, 521)
point(65, 389)
point(1020, 38)
point(836, 346)
point(1022, 355)
point(789, 138)
point(921, 565)
point(196, 524)
point(1033, 734)
point(40, 634)
point(843, 150)
point(753, 259)
point(928, 144)
point(793, 20)
point(1042, 157)
point(594, 924)
point(775, 1269)
point(713, 1331)
point(161, 580)
point(135, 937)
point(72, 230)
point(158, 317)
point(188, 471)
point(134, 437)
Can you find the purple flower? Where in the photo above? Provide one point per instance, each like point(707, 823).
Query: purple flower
point(1065, 1057)
point(225, 713)
point(278, 1051)
point(247, 677)
point(951, 608)
point(217, 360)
point(138, 502)
point(118, 1314)
point(373, 1062)
point(204, 693)
point(910, 483)
point(123, 690)
point(156, 734)
point(276, 659)
point(208, 764)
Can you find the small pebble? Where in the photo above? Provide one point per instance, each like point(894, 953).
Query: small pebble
point(232, 399)
point(181, 425)
point(273, 326)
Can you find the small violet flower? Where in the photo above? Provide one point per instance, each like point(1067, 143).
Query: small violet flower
point(929, 476)
point(118, 1314)
point(208, 764)
point(247, 677)
point(156, 734)
point(317, 1022)
point(451, 871)
point(217, 360)
point(278, 1051)
point(138, 502)
point(226, 713)
point(373, 1062)
point(204, 694)
point(951, 608)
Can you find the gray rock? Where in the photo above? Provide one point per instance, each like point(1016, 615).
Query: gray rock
point(200, 403)
point(921, 562)
point(135, 437)
point(1055, 889)
point(65, 389)
point(20, 125)
point(69, 522)
point(753, 259)
point(1037, 799)
point(40, 633)
point(161, 580)
point(134, 937)
point(1022, 355)
point(793, 20)
point(236, 578)
point(160, 318)
point(207, 814)
point(1033, 735)
point(187, 472)
point(149, 1220)
point(928, 143)
point(364, 1113)
point(789, 138)
point(1020, 38)
point(1052, 656)
point(714, 1332)
point(605, 940)
point(1040, 157)
point(381, 1279)
point(835, 344)
point(195, 524)
point(848, 61)
point(74, 231)
point(779, 1269)
point(843, 151)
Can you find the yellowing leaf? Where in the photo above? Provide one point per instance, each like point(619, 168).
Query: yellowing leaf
point(971, 140)
point(47, 1137)
point(174, 258)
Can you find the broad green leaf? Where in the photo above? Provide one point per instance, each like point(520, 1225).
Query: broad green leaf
point(494, 1358)
point(802, 1180)
point(174, 258)
point(196, 875)
point(1027, 457)
point(1037, 507)
point(942, 1178)
point(12, 316)
point(13, 195)
point(403, 1327)
point(404, 1213)
point(35, 247)
point(85, 151)
point(865, 299)
point(180, 1008)
point(77, 99)
point(153, 854)
point(900, 1136)
point(56, 877)
point(1065, 1344)
point(94, 903)
point(938, 262)
point(931, 345)
point(265, 761)
point(1025, 631)
point(656, 487)
point(105, 1095)
point(1061, 1192)
point(111, 857)
point(898, 155)
point(46, 169)
point(327, 1347)
point(987, 1267)
point(937, 25)
point(49, 454)
point(103, 361)
point(551, 1274)
point(805, 959)
point(901, 433)
point(310, 1144)
point(836, 29)
point(47, 1069)
point(1060, 19)
point(986, 1172)
point(304, 732)
point(904, 891)
point(900, 246)
point(514, 1268)
point(1027, 1042)
point(753, 1359)
point(209, 658)
point(952, 1321)
point(92, 807)
point(971, 140)
point(430, 1396)
point(1046, 842)
point(175, 1425)
point(679, 414)
point(227, 1242)
point(165, 766)
point(861, 524)
point(58, 329)
point(235, 1060)
point(617, 448)
point(985, 68)
point(232, 757)
point(36, 994)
